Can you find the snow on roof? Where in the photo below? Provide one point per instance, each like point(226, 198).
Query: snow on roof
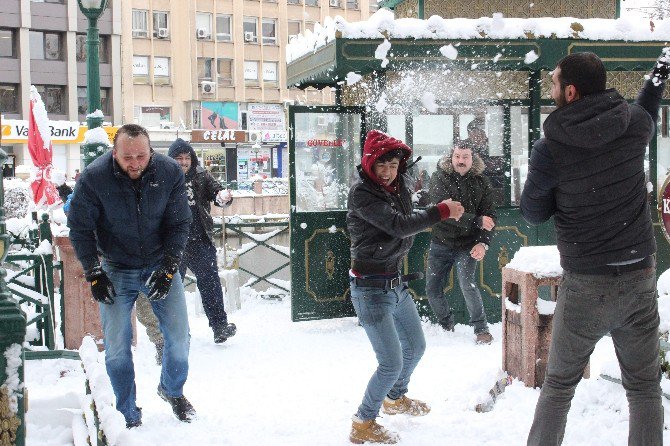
point(383, 24)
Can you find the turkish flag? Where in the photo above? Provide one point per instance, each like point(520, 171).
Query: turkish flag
point(44, 191)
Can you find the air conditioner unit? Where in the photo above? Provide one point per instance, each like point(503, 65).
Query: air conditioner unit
point(202, 33)
point(208, 88)
point(162, 33)
point(335, 3)
point(248, 36)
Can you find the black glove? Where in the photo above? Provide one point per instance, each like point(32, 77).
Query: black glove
point(661, 70)
point(101, 287)
point(160, 281)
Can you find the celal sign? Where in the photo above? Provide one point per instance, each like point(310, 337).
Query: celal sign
point(218, 136)
point(15, 131)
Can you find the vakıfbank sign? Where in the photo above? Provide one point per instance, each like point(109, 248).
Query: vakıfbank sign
point(15, 131)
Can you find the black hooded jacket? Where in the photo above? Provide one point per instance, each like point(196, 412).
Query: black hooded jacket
point(588, 173)
point(201, 189)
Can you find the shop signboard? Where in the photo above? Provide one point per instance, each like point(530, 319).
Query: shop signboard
point(263, 117)
point(15, 131)
point(220, 115)
point(205, 136)
point(274, 136)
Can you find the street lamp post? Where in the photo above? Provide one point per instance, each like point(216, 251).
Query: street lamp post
point(92, 9)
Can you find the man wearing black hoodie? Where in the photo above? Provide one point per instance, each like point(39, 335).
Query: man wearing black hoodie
point(588, 173)
point(200, 253)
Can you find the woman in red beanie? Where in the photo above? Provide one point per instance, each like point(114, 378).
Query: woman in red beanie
point(382, 225)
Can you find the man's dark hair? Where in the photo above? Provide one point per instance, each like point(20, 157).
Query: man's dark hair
point(393, 154)
point(583, 70)
point(133, 131)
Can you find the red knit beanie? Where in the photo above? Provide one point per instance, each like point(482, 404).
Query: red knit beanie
point(377, 144)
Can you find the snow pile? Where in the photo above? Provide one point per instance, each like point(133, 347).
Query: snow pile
point(96, 136)
point(111, 421)
point(383, 25)
point(542, 261)
point(13, 382)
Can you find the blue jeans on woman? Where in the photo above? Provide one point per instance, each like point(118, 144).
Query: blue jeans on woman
point(392, 323)
point(441, 259)
point(118, 334)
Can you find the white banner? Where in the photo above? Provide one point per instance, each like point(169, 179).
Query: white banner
point(262, 117)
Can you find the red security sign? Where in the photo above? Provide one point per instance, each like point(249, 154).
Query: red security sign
point(664, 208)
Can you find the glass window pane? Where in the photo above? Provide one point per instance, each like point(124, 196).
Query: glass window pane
point(140, 65)
point(52, 46)
point(269, 32)
point(54, 99)
point(519, 141)
point(204, 69)
point(395, 126)
point(294, 28)
point(433, 138)
point(250, 70)
point(223, 28)
point(203, 21)
point(6, 43)
point(161, 67)
point(326, 157)
point(140, 23)
point(225, 70)
point(36, 45)
point(80, 48)
point(270, 71)
point(9, 99)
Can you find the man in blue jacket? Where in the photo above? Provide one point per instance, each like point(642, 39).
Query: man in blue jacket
point(129, 221)
point(588, 173)
point(200, 253)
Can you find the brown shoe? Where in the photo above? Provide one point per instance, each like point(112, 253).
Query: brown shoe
point(405, 405)
point(370, 432)
point(484, 338)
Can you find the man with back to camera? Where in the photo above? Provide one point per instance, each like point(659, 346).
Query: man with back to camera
point(588, 173)
point(130, 208)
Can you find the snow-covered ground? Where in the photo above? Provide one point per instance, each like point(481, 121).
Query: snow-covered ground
point(283, 383)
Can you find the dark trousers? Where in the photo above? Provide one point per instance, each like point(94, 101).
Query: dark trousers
point(588, 307)
point(200, 258)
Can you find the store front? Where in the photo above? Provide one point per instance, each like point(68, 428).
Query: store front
point(66, 139)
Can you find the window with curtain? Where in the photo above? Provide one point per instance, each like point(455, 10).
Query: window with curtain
point(225, 72)
point(223, 28)
point(140, 23)
point(204, 69)
point(269, 29)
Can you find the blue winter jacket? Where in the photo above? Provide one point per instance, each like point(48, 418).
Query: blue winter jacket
point(129, 228)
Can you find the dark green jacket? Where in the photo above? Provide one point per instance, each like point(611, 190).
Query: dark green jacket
point(474, 192)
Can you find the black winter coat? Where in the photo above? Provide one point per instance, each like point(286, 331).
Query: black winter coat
point(382, 225)
point(589, 174)
point(201, 193)
point(130, 228)
point(475, 193)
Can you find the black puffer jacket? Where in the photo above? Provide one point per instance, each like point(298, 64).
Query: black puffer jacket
point(382, 225)
point(201, 189)
point(589, 174)
point(474, 192)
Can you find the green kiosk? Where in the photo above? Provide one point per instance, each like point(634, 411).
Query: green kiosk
point(424, 80)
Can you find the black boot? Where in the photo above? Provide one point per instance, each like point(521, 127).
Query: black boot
point(223, 332)
point(135, 423)
point(448, 323)
point(181, 407)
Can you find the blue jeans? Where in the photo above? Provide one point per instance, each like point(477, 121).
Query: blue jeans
point(392, 324)
point(587, 308)
point(118, 334)
point(200, 258)
point(440, 260)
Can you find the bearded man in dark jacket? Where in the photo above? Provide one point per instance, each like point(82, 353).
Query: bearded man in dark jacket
point(382, 225)
point(460, 176)
point(588, 173)
point(200, 253)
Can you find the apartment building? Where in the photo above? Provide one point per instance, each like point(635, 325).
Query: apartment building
point(214, 65)
point(43, 43)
